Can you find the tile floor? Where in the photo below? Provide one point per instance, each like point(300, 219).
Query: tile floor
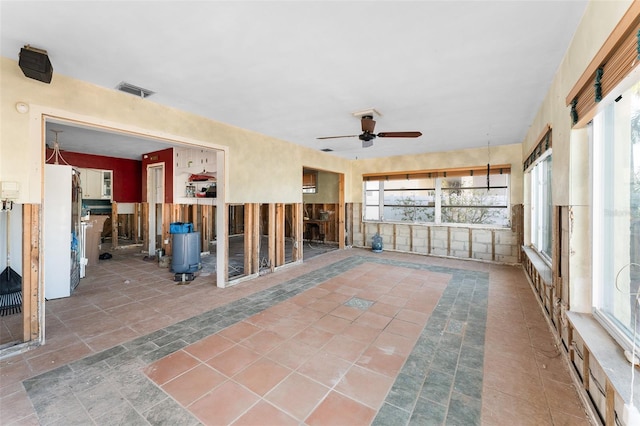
point(349, 337)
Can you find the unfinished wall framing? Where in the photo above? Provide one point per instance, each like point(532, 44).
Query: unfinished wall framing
point(463, 242)
point(601, 390)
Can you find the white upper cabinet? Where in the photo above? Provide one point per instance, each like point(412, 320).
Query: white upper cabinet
point(191, 160)
point(96, 184)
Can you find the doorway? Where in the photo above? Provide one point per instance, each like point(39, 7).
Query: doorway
point(155, 198)
point(102, 141)
point(323, 212)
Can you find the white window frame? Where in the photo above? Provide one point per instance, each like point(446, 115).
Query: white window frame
point(539, 215)
point(599, 243)
point(438, 205)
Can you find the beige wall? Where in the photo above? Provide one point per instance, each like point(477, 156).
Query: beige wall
point(256, 170)
point(328, 189)
point(571, 146)
point(599, 20)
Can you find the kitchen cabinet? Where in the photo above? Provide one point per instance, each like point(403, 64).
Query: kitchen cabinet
point(96, 184)
point(191, 160)
point(207, 159)
point(183, 158)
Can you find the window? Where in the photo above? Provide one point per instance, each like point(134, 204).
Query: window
point(541, 207)
point(411, 200)
point(615, 156)
point(372, 200)
point(466, 199)
point(463, 198)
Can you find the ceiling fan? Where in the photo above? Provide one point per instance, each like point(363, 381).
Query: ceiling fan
point(367, 136)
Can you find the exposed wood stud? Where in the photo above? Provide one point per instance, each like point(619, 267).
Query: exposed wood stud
point(411, 238)
point(340, 211)
point(249, 240)
point(296, 231)
point(349, 224)
point(31, 272)
point(272, 236)
point(585, 367)
point(493, 244)
point(255, 256)
point(223, 246)
point(114, 225)
point(136, 223)
point(572, 351)
point(166, 212)
point(394, 243)
point(145, 223)
point(610, 413)
point(280, 217)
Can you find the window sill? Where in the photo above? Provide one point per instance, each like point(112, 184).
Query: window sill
point(444, 225)
point(607, 353)
point(541, 265)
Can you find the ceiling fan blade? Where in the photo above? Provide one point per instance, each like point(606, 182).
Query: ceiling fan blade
point(368, 123)
point(399, 134)
point(336, 137)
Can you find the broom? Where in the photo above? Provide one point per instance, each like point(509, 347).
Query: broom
point(10, 284)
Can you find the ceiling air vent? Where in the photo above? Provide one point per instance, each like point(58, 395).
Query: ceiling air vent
point(326, 150)
point(134, 90)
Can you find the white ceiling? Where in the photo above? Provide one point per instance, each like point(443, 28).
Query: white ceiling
point(464, 73)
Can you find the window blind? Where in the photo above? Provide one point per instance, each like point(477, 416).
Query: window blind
point(614, 61)
point(544, 144)
point(425, 174)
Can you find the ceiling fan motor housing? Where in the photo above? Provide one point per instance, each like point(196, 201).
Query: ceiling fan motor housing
point(366, 136)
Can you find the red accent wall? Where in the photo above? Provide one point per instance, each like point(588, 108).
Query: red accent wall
point(127, 174)
point(165, 157)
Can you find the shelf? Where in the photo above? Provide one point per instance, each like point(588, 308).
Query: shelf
point(197, 200)
point(196, 187)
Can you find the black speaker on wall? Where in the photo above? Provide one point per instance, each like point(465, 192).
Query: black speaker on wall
point(35, 64)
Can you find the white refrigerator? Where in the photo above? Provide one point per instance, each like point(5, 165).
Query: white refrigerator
point(57, 229)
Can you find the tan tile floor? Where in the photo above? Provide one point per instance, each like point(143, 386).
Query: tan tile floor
point(308, 359)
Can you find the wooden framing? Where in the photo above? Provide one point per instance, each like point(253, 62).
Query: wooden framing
point(279, 234)
point(145, 222)
point(30, 271)
point(251, 238)
point(340, 212)
point(272, 236)
point(348, 227)
point(296, 231)
point(165, 241)
point(114, 225)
